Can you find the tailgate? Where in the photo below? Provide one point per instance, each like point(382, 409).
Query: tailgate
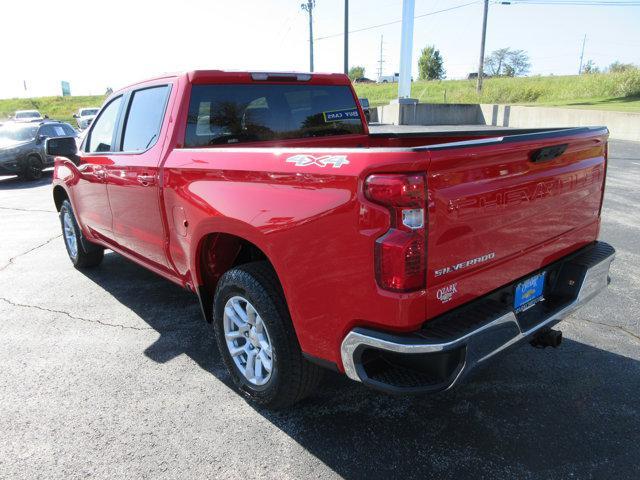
point(502, 208)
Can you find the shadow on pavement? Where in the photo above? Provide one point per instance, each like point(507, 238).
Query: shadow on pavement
point(571, 412)
point(17, 183)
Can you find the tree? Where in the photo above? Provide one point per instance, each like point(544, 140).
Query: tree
point(430, 64)
point(356, 72)
point(494, 64)
point(590, 67)
point(619, 67)
point(517, 63)
point(505, 62)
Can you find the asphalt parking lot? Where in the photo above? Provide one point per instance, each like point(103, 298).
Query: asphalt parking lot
point(111, 373)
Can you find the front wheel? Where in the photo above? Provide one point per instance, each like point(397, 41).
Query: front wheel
point(82, 253)
point(256, 338)
point(32, 168)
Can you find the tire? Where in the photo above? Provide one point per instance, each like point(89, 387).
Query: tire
point(291, 377)
point(82, 253)
point(32, 168)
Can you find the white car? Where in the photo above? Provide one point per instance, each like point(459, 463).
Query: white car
point(27, 116)
point(389, 78)
point(85, 116)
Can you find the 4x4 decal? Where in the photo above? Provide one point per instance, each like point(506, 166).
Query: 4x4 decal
point(304, 160)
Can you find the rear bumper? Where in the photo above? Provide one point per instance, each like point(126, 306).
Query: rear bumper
point(448, 348)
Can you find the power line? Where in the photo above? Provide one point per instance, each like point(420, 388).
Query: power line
point(398, 21)
point(584, 3)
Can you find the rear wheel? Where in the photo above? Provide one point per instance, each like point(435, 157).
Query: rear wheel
point(83, 254)
point(32, 168)
point(256, 339)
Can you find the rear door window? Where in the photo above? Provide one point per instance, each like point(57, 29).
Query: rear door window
point(144, 118)
point(228, 114)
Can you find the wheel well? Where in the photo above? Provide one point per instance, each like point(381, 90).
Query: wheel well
point(59, 196)
point(218, 253)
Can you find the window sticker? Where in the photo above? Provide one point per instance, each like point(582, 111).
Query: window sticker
point(339, 115)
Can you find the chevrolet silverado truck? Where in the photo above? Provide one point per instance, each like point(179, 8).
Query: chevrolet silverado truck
point(404, 261)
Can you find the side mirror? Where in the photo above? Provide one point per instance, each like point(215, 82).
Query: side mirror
point(62, 147)
point(46, 116)
point(40, 139)
point(75, 115)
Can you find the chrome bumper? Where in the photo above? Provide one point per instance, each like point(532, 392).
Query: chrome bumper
point(587, 271)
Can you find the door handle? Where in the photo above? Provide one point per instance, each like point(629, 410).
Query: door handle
point(100, 173)
point(146, 180)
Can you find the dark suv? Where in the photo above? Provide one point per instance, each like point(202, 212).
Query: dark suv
point(22, 147)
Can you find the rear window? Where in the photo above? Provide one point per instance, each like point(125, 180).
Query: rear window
point(27, 115)
point(228, 114)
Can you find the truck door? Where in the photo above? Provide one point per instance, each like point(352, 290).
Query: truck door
point(133, 177)
point(90, 193)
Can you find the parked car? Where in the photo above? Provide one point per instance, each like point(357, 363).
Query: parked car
point(85, 116)
point(363, 80)
point(22, 147)
point(27, 116)
point(401, 260)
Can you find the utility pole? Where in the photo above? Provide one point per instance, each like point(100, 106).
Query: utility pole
point(482, 42)
point(308, 7)
point(381, 61)
point(346, 37)
point(584, 40)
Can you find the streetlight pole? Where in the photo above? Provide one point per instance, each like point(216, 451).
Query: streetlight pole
point(482, 42)
point(346, 37)
point(406, 47)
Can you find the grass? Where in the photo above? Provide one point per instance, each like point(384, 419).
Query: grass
point(619, 104)
point(610, 91)
point(59, 108)
point(606, 91)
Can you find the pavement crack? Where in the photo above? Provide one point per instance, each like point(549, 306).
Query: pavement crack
point(72, 316)
point(27, 209)
point(617, 327)
point(13, 259)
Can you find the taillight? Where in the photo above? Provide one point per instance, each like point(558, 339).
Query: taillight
point(400, 253)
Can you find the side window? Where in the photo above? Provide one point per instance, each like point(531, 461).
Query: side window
point(47, 131)
point(101, 134)
point(68, 130)
point(144, 118)
point(58, 131)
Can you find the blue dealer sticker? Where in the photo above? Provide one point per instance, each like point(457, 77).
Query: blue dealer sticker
point(337, 115)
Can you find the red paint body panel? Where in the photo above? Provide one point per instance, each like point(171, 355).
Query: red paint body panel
point(317, 229)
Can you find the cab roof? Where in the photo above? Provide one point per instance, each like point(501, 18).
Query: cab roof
point(225, 76)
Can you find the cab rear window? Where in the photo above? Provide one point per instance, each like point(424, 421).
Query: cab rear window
point(228, 114)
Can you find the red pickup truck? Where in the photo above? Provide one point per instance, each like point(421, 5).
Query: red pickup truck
point(403, 261)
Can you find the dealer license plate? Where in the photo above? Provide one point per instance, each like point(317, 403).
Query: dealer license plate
point(529, 292)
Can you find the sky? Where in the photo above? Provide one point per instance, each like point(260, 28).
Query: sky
point(95, 44)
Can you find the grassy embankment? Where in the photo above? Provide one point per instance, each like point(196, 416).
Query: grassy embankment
point(59, 108)
point(610, 91)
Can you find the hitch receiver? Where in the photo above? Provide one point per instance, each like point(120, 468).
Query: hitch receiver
point(547, 338)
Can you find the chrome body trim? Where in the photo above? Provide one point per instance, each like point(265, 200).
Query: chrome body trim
point(505, 330)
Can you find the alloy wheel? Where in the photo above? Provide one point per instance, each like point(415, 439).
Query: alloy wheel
point(248, 341)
